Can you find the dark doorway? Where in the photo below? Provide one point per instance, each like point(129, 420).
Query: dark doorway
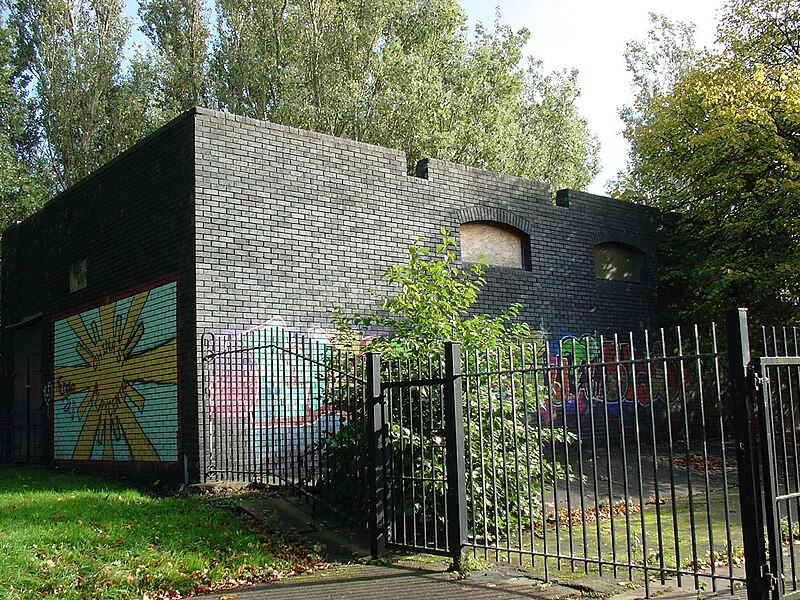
point(28, 411)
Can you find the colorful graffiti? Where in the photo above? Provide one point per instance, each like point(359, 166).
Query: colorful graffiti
point(270, 373)
point(610, 378)
point(115, 380)
point(275, 381)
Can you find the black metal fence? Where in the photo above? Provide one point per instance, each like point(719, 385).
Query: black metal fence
point(617, 455)
point(284, 408)
point(603, 454)
point(611, 454)
point(777, 385)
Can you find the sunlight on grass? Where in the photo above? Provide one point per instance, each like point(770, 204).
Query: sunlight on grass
point(690, 535)
point(74, 536)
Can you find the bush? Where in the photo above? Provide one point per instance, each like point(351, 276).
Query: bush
point(504, 451)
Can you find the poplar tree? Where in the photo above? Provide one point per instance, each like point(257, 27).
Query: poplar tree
point(86, 107)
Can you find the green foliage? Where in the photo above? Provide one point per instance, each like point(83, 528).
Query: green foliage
point(398, 73)
point(86, 108)
point(719, 145)
point(434, 303)
point(71, 536)
point(403, 74)
point(179, 33)
point(23, 187)
point(552, 142)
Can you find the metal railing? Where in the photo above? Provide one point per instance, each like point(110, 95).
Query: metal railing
point(284, 408)
point(607, 454)
point(596, 454)
point(777, 387)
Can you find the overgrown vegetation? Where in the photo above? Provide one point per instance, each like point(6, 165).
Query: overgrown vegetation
point(434, 303)
point(75, 536)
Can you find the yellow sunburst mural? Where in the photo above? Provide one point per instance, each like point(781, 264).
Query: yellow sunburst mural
point(115, 376)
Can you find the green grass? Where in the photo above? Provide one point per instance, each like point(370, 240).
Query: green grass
point(74, 536)
point(693, 536)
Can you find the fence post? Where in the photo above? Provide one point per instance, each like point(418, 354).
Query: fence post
point(206, 443)
point(746, 455)
point(454, 459)
point(377, 419)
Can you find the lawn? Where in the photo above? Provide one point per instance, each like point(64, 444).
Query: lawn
point(75, 536)
point(690, 536)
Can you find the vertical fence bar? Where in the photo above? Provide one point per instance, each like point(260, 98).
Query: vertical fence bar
point(376, 431)
point(723, 439)
point(651, 402)
point(746, 456)
point(704, 443)
point(634, 387)
point(206, 445)
point(454, 440)
point(770, 482)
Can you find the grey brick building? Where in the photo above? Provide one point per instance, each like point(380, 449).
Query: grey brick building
point(219, 223)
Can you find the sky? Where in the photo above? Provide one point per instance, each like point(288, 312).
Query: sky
point(590, 35)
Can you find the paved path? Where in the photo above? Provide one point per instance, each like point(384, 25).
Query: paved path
point(415, 577)
point(407, 581)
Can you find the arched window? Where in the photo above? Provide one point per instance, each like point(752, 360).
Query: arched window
point(498, 244)
point(618, 262)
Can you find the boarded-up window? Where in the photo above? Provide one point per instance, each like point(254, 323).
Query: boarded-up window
point(618, 262)
point(497, 244)
point(77, 275)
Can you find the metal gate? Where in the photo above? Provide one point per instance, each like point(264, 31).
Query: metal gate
point(777, 387)
point(610, 455)
point(416, 447)
point(284, 409)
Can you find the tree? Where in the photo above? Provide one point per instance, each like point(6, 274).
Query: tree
point(554, 143)
point(720, 146)
point(655, 64)
point(402, 74)
point(432, 304)
point(22, 184)
point(86, 109)
point(397, 73)
point(180, 35)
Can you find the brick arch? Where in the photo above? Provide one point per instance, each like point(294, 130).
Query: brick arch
point(626, 238)
point(496, 215)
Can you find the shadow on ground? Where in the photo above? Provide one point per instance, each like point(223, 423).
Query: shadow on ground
point(416, 577)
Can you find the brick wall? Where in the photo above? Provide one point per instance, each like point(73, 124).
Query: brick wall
point(218, 222)
point(130, 223)
point(291, 223)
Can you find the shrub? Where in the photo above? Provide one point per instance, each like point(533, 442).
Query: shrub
point(434, 303)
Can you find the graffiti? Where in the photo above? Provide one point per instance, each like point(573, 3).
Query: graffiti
point(47, 394)
point(609, 379)
point(115, 374)
point(274, 380)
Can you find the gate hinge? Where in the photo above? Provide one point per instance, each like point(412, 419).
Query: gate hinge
point(754, 382)
point(768, 579)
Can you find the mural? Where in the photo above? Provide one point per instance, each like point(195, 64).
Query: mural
point(115, 378)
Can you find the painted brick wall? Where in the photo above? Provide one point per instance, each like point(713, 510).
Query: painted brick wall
point(130, 331)
point(292, 223)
